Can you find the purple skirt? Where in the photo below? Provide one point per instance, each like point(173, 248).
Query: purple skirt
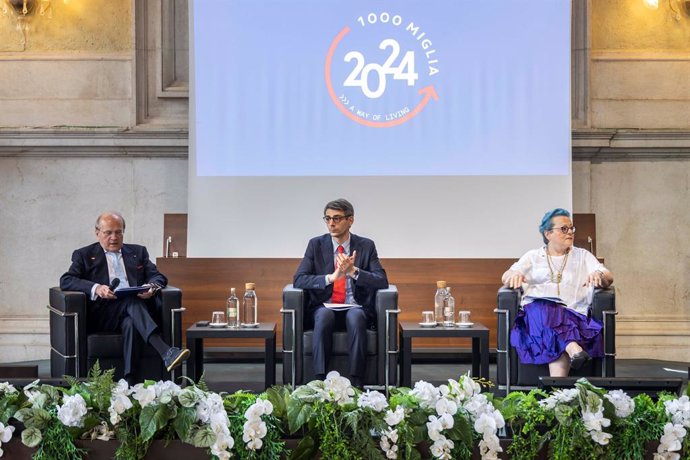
point(542, 330)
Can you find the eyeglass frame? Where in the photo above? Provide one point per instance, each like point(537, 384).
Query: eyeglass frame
point(335, 219)
point(566, 231)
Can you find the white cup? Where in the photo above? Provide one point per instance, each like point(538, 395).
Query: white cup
point(463, 316)
point(218, 317)
point(428, 317)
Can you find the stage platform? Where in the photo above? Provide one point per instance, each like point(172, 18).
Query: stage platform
point(249, 375)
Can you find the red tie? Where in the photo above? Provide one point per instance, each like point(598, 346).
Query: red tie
point(339, 285)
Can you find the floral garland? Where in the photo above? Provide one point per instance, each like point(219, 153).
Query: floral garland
point(340, 421)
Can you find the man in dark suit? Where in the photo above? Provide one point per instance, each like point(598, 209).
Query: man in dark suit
point(340, 268)
point(93, 270)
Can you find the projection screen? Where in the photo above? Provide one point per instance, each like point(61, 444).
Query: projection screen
point(446, 123)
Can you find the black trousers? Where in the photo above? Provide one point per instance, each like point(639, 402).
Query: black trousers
point(325, 323)
point(129, 316)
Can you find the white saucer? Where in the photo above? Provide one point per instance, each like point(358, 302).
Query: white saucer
point(464, 324)
point(428, 324)
point(250, 325)
point(217, 324)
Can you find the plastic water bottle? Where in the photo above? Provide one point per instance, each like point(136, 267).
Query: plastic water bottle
point(449, 310)
point(440, 301)
point(250, 306)
point(233, 309)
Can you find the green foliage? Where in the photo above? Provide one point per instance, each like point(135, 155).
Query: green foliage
point(56, 443)
point(528, 422)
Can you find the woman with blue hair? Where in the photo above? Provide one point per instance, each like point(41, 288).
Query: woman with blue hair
point(558, 280)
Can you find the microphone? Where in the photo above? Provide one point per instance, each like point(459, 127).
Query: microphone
point(115, 283)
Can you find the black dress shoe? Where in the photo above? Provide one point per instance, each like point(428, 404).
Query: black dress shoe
point(579, 359)
point(174, 357)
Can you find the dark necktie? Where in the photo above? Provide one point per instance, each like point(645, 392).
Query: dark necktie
point(339, 285)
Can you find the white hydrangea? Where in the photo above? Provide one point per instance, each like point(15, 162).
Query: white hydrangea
point(373, 400)
point(72, 411)
point(623, 403)
point(679, 410)
point(5, 435)
point(426, 394)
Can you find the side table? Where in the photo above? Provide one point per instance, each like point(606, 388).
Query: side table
point(480, 346)
point(197, 334)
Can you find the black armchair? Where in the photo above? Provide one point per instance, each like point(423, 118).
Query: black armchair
point(510, 373)
point(382, 344)
point(73, 351)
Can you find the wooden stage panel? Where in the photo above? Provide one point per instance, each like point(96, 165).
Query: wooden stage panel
point(206, 283)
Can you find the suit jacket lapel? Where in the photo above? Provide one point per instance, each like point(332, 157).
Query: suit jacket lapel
point(100, 265)
point(129, 257)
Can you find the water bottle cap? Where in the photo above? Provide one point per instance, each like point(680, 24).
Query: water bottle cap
point(232, 290)
point(250, 286)
point(440, 284)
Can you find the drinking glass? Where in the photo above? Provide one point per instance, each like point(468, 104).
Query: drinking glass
point(218, 317)
point(428, 317)
point(463, 316)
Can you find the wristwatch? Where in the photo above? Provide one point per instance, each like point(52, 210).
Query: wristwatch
point(355, 274)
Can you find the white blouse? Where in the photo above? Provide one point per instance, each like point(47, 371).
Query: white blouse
point(538, 283)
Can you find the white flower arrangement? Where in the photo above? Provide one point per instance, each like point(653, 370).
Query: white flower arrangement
point(675, 430)
point(426, 394)
point(119, 401)
point(254, 429)
point(623, 403)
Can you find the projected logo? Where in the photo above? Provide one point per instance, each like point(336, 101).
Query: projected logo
point(380, 72)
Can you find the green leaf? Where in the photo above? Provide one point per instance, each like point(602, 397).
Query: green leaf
point(306, 449)
point(203, 437)
point(31, 437)
point(33, 417)
point(152, 419)
point(461, 431)
point(188, 397)
point(279, 398)
point(298, 414)
point(183, 423)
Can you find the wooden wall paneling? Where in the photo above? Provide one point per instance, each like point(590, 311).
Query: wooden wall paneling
point(175, 227)
point(586, 225)
point(206, 282)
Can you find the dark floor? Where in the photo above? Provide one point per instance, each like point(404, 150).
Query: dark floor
point(229, 377)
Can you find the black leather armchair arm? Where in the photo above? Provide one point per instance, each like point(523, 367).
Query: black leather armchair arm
point(387, 333)
point(293, 329)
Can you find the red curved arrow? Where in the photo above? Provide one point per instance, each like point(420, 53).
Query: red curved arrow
point(428, 92)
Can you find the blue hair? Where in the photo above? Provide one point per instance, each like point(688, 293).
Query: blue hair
point(546, 220)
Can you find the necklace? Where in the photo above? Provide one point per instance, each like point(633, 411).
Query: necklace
point(558, 275)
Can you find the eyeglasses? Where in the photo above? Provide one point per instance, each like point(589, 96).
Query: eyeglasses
point(564, 229)
point(117, 233)
point(335, 219)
